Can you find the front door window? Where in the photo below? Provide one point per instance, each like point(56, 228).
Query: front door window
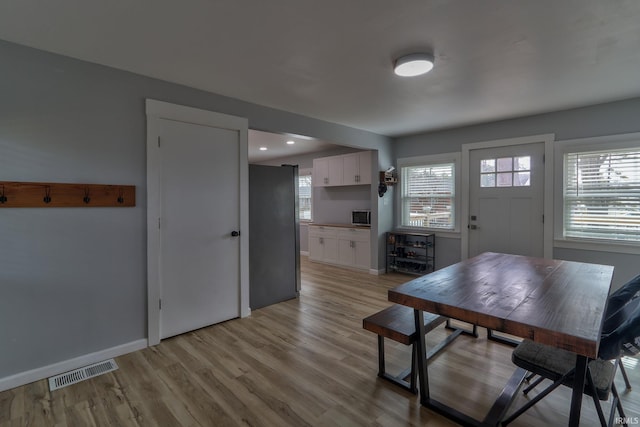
point(505, 172)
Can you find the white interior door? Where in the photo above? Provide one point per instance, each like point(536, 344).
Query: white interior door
point(506, 200)
point(199, 209)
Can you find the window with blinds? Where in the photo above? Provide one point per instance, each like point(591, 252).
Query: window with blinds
point(428, 195)
point(304, 197)
point(602, 195)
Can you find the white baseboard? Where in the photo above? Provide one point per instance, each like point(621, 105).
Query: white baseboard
point(69, 365)
point(304, 253)
point(377, 272)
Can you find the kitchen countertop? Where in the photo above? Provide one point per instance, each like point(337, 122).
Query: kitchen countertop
point(318, 224)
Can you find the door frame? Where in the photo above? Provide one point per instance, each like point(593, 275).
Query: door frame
point(156, 111)
point(548, 140)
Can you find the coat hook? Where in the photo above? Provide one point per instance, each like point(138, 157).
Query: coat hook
point(86, 197)
point(47, 194)
point(120, 196)
point(3, 198)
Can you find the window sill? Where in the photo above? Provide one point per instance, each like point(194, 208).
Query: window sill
point(598, 246)
point(448, 234)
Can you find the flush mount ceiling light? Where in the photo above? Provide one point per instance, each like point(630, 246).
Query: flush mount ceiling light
point(413, 65)
point(263, 148)
point(290, 142)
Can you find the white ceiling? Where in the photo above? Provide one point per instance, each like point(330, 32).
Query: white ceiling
point(332, 59)
point(277, 147)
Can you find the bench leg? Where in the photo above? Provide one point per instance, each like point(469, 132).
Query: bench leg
point(381, 370)
point(414, 369)
point(400, 379)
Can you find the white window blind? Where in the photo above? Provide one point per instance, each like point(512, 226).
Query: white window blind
point(602, 195)
point(428, 194)
point(304, 197)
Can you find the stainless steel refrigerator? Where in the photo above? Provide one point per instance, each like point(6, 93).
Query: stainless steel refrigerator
point(274, 235)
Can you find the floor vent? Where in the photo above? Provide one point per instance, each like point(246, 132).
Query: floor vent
point(73, 377)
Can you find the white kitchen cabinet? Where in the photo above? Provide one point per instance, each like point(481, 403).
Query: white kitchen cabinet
point(347, 169)
point(320, 172)
point(354, 248)
point(315, 248)
point(327, 171)
point(357, 168)
point(362, 254)
point(323, 244)
point(345, 246)
point(335, 170)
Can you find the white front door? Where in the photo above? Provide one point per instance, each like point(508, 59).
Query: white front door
point(199, 209)
point(506, 200)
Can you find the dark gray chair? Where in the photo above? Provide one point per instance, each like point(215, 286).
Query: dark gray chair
point(629, 293)
point(621, 337)
point(620, 302)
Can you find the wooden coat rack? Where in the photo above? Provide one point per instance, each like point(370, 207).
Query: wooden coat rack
point(56, 195)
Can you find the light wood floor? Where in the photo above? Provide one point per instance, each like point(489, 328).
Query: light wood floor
point(301, 362)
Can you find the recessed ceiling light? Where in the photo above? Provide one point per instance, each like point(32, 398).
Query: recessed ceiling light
point(291, 142)
point(263, 148)
point(414, 64)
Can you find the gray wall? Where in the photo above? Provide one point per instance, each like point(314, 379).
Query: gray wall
point(333, 205)
point(73, 281)
point(385, 209)
point(598, 120)
point(603, 119)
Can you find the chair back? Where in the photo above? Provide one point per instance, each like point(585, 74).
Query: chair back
point(617, 311)
point(625, 339)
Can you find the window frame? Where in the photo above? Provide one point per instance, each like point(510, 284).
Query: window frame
point(426, 161)
point(586, 145)
point(309, 173)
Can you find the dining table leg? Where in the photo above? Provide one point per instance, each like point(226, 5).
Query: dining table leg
point(423, 376)
point(578, 390)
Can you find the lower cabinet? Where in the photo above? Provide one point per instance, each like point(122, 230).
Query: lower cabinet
point(323, 246)
point(354, 248)
point(341, 246)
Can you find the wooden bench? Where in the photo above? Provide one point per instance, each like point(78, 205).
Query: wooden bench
point(397, 323)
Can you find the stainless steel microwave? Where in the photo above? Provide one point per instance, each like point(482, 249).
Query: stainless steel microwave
point(361, 217)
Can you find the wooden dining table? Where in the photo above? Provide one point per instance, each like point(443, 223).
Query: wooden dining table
point(553, 302)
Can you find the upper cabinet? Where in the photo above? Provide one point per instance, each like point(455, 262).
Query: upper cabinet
point(356, 168)
point(347, 169)
point(327, 171)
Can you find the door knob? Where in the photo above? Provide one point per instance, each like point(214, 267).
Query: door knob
point(235, 233)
